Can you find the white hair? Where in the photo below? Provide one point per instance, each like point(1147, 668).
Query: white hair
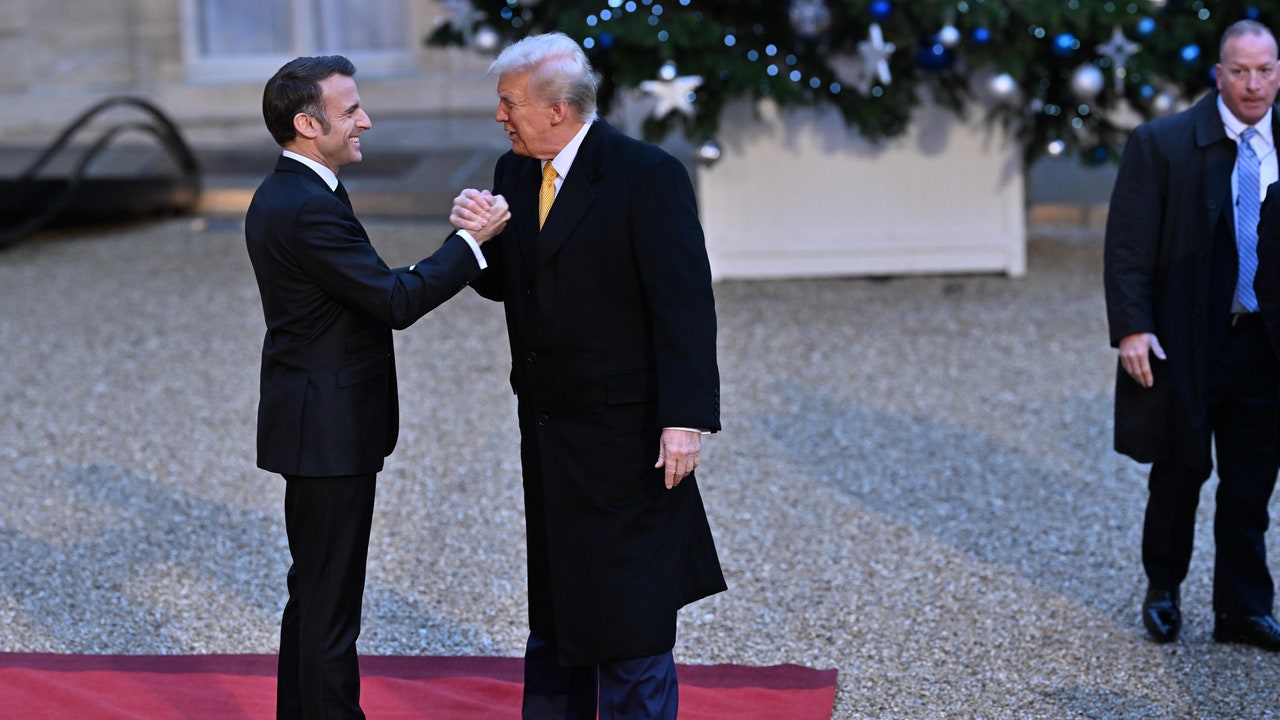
point(559, 71)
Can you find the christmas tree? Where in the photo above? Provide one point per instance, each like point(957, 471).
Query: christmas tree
point(1067, 76)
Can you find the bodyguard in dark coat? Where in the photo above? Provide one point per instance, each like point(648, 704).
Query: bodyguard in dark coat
point(1195, 366)
point(612, 326)
point(328, 412)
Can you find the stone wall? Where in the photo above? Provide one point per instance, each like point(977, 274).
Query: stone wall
point(61, 56)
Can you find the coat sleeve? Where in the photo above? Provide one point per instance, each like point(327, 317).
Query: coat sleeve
point(336, 254)
point(489, 283)
point(1266, 283)
point(671, 257)
point(1133, 238)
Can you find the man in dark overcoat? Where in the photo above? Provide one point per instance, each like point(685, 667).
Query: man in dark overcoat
point(611, 321)
point(1195, 367)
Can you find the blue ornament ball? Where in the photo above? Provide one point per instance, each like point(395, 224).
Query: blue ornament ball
point(1065, 44)
point(1252, 13)
point(1146, 26)
point(1190, 53)
point(880, 9)
point(606, 41)
point(934, 56)
point(981, 36)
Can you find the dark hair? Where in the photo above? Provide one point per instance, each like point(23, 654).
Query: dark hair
point(295, 88)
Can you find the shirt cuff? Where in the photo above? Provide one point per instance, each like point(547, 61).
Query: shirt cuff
point(697, 430)
point(475, 247)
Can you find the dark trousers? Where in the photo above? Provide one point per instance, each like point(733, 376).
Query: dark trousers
point(327, 521)
point(639, 689)
point(1240, 402)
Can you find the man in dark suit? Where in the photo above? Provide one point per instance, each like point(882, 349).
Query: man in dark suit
point(328, 410)
point(1195, 367)
point(1267, 282)
point(611, 321)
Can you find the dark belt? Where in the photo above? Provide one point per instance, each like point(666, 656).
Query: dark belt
point(1245, 318)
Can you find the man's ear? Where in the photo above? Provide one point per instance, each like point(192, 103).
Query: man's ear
point(306, 126)
point(559, 112)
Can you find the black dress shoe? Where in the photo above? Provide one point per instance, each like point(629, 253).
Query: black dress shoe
point(1257, 630)
point(1160, 614)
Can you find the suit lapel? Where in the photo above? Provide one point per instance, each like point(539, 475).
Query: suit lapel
point(318, 186)
point(1275, 136)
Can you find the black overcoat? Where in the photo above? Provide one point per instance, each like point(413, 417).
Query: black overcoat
point(1170, 269)
point(611, 320)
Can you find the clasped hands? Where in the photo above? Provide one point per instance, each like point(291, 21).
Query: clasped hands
point(480, 213)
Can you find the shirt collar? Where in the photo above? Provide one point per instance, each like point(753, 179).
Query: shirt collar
point(327, 175)
point(563, 161)
point(1234, 127)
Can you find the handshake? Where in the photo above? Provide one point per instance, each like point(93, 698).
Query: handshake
point(480, 213)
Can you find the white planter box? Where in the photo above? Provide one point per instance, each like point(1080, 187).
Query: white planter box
point(798, 193)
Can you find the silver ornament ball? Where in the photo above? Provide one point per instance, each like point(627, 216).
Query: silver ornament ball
point(708, 152)
point(809, 18)
point(1003, 87)
point(949, 36)
point(1087, 82)
point(486, 39)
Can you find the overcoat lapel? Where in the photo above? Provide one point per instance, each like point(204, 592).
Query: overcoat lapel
point(1219, 162)
point(575, 198)
point(524, 211)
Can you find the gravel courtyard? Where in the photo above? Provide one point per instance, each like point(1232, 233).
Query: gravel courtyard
point(914, 484)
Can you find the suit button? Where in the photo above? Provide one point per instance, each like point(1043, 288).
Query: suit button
point(543, 420)
point(528, 292)
point(530, 356)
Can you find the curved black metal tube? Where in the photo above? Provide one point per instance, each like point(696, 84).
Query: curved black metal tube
point(160, 126)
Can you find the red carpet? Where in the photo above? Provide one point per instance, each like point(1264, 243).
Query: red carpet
point(242, 687)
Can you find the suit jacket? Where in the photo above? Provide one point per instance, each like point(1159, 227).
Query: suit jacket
point(611, 321)
point(328, 402)
point(1170, 269)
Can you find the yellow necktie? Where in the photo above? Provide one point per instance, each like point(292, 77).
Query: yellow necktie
point(547, 194)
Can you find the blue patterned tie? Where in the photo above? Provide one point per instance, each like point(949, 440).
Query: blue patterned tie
point(1247, 191)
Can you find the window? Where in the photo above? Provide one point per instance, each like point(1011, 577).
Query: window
point(250, 39)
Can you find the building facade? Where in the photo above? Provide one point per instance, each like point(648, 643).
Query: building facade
point(204, 62)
